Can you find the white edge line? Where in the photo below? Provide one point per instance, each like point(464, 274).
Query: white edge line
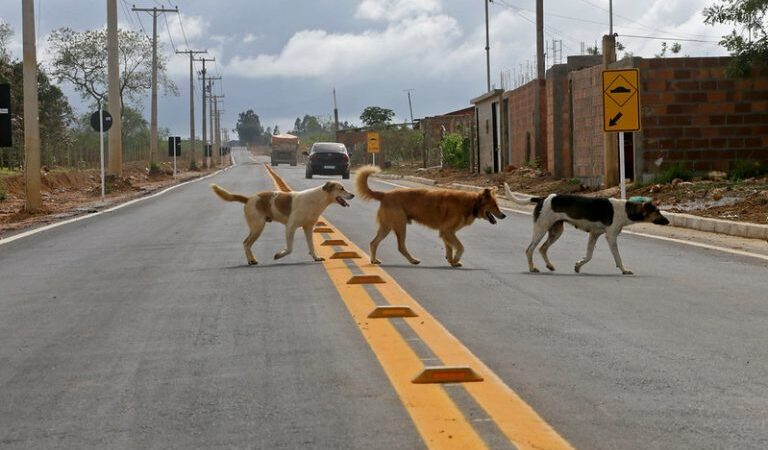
point(24, 234)
point(635, 233)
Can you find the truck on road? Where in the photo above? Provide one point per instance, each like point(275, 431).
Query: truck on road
point(285, 149)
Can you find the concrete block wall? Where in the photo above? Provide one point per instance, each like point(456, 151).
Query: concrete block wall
point(586, 124)
point(522, 131)
point(693, 113)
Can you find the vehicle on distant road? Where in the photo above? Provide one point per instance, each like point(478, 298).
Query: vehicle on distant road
point(285, 149)
point(327, 158)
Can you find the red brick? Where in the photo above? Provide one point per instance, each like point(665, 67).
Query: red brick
point(718, 143)
point(699, 97)
point(733, 119)
point(701, 143)
point(743, 107)
point(676, 62)
point(716, 96)
point(703, 166)
point(736, 143)
point(717, 119)
point(674, 109)
point(720, 165)
point(752, 142)
point(725, 85)
point(693, 154)
point(755, 118)
point(692, 132)
point(688, 85)
point(684, 143)
point(708, 85)
point(682, 74)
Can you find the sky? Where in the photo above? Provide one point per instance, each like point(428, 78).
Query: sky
point(284, 58)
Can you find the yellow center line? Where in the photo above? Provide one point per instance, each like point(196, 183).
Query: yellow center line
point(431, 409)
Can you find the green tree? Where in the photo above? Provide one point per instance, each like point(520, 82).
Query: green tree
point(674, 49)
point(80, 58)
point(748, 41)
point(5, 36)
point(455, 150)
point(376, 116)
point(249, 127)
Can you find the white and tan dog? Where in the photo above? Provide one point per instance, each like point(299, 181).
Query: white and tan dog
point(297, 209)
point(596, 216)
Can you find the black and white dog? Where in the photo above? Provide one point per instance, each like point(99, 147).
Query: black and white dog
point(593, 215)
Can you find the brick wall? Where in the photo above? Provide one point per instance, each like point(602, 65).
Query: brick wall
point(586, 124)
point(694, 114)
point(522, 129)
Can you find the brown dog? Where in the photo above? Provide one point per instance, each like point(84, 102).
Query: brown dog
point(444, 210)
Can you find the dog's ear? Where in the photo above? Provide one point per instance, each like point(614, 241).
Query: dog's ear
point(649, 207)
point(328, 186)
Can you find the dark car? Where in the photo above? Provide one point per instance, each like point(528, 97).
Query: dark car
point(327, 158)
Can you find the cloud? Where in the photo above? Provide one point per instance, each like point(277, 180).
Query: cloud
point(193, 27)
point(249, 37)
point(394, 10)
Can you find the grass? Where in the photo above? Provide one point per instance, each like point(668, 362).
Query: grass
point(673, 171)
point(743, 169)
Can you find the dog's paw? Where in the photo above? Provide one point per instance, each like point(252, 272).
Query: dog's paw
point(534, 270)
point(551, 267)
point(318, 258)
point(375, 261)
point(456, 264)
point(279, 255)
point(627, 272)
point(415, 261)
point(252, 263)
point(576, 268)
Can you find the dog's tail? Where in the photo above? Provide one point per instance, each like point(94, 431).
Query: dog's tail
point(361, 183)
point(228, 196)
point(519, 200)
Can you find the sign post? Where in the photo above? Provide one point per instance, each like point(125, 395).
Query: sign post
point(101, 121)
point(373, 144)
point(621, 109)
point(174, 149)
point(6, 130)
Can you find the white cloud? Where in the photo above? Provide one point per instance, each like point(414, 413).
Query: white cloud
point(249, 37)
point(193, 27)
point(393, 10)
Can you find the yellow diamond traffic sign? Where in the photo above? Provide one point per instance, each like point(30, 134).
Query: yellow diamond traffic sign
point(373, 142)
point(621, 100)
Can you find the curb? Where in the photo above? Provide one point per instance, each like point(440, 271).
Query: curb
point(680, 220)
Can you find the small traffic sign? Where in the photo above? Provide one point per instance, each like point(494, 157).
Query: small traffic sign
point(621, 100)
point(373, 142)
point(6, 131)
point(106, 121)
point(174, 146)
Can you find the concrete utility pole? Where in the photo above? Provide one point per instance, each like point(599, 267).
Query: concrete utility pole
point(410, 105)
point(204, 136)
point(115, 106)
point(487, 51)
point(335, 115)
point(610, 146)
point(191, 53)
point(210, 116)
point(31, 119)
point(153, 121)
point(540, 75)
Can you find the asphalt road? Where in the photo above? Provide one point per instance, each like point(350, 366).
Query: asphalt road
point(144, 328)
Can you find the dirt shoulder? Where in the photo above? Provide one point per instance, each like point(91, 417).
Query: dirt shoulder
point(719, 198)
point(76, 192)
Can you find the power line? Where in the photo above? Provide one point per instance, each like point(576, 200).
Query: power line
point(668, 38)
point(168, 30)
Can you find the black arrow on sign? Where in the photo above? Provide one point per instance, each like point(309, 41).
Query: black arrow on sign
point(615, 120)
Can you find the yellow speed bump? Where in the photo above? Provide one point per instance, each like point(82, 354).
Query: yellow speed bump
point(447, 374)
point(320, 223)
point(323, 230)
point(345, 255)
point(365, 279)
point(334, 242)
point(385, 312)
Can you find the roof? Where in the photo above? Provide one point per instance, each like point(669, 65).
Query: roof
point(284, 137)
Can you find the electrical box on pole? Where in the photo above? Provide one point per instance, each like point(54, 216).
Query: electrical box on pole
point(5, 116)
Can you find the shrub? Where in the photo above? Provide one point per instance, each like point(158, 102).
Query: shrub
point(488, 170)
point(154, 168)
point(3, 191)
point(672, 171)
point(455, 150)
point(743, 169)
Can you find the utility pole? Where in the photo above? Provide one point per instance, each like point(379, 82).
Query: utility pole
point(540, 75)
point(211, 115)
point(215, 123)
point(31, 120)
point(205, 138)
point(191, 53)
point(153, 121)
point(410, 106)
point(115, 106)
point(335, 115)
point(487, 51)
point(610, 146)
